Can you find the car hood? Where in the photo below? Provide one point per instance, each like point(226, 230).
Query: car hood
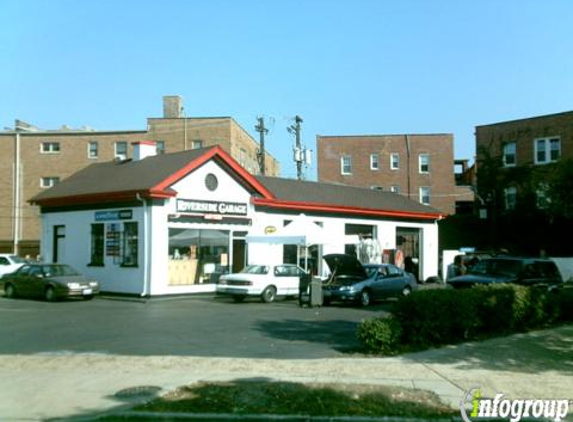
point(346, 265)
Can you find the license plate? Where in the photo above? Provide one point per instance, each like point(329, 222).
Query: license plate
point(87, 291)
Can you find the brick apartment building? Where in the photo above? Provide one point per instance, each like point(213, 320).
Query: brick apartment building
point(530, 143)
point(419, 166)
point(33, 159)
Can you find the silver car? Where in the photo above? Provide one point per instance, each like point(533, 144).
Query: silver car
point(350, 281)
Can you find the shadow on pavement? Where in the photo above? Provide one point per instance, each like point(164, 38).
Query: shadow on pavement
point(534, 352)
point(339, 334)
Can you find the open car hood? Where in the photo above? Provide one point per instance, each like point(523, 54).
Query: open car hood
point(345, 265)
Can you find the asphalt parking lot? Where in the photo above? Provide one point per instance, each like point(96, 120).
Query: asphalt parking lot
point(183, 326)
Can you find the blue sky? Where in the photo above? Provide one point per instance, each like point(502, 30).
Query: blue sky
point(346, 67)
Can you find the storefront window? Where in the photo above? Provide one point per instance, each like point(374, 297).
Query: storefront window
point(130, 245)
point(197, 255)
point(97, 243)
point(362, 232)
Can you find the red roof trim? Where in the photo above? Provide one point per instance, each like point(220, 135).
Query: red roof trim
point(216, 151)
point(305, 206)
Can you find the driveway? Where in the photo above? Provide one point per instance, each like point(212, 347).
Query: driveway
point(189, 326)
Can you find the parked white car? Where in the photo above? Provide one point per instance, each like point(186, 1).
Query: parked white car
point(264, 281)
point(10, 263)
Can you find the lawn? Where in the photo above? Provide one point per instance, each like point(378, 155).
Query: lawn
point(283, 398)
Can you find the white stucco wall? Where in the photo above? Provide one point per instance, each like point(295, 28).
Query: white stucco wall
point(191, 187)
point(335, 226)
point(112, 277)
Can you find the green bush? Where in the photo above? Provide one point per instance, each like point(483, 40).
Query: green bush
point(436, 317)
point(381, 335)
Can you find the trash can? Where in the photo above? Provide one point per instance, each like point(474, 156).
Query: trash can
point(310, 292)
point(315, 292)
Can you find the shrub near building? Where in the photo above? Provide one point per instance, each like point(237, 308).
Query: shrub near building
point(434, 318)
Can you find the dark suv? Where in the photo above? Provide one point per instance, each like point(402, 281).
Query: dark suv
point(505, 269)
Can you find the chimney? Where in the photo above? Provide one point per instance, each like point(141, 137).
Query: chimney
point(143, 149)
point(172, 107)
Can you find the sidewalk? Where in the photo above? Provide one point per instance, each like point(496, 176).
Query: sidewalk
point(536, 365)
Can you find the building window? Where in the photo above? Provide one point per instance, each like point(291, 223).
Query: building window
point(374, 162)
point(242, 157)
point(425, 195)
point(130, 240)
point(97, 245)
point(50, 148)
point(510, 197)
point(346, 164)
point(93, 149)
point(121, 150)
point(395, 161)
point(424, 161)
point(509, 150)
point(160, 147)
point(396, 189)
point(377, 188)
point(547, 150)
point(196, 144)
point(48, 182)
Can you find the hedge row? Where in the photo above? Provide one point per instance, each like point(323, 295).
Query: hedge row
point(432, 318)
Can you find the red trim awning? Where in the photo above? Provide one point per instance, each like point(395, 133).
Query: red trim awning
point(328, 208)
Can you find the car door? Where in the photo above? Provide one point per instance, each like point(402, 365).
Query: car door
point(393, 281)
point(379, 278)
point(21, 281)
point(35, 281)
point(286, 277)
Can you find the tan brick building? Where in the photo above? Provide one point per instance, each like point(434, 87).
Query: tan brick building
point(419, 166)
point(43, 157)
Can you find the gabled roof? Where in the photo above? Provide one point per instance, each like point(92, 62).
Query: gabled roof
point(310, 196)
point(151, 177)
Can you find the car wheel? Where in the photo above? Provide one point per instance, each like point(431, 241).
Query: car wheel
point(269, 294)
point(406, 291)
point(9, 291)
point(88, 297)
point(365, 298)
point(238, 299)
point(50, 294)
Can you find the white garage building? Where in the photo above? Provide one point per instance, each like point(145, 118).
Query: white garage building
point(172, 223)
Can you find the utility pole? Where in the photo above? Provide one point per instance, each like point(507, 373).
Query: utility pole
point(299, 154)
point(260, 127)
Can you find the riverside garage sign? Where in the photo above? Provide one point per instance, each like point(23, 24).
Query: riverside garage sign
point(211, 207)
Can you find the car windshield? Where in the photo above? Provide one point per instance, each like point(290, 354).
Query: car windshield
point(16, 259)
point(255, 269)
point(58, 271)
point(497, 267)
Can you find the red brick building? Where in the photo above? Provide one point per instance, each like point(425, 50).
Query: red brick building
point(525, 143)
point(419, 166)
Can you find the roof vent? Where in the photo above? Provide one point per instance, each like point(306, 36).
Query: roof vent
point(143, 149)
